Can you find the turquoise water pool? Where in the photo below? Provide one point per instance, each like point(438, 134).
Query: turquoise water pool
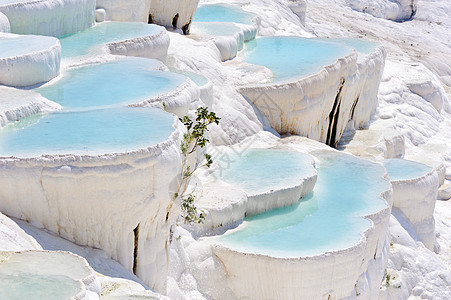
point(129, 80)
point(88, 40)
point(293, 57)
point(41, 275)
point(331, 218)
point(262, 170)
point(28, 286)
point(402, 169)
point(91, 132)
point(18, 45)
point(223, 13)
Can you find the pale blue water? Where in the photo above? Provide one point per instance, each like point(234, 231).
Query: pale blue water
point(293, 57)
point(402, 169)
point(86, 132)
point(329, 219)
point(360, 45)
point(25, 44)
point(81, 43)
point(198, 79)
point(27, 286)
point(223, 13)
point(261, 170)
point(215, 28)
point(130, 80)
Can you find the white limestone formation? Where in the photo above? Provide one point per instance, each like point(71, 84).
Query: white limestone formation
point(17, 104)
point(345, 90)
point(395, 10)
point(206, 94)
point(118, 202)
point(22, 66)
point(177, 101)
point(123, 289)
point(299, 7)
point(415, 198)
point(444, 192)
point(175, 13)
point(4, 23)
point(49, 17)
point(123, 11)
point(152, 46)
point(231, 41)
point(170, 13)
point(13, 238)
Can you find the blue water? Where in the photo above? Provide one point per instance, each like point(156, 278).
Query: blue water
point(37, 287)
point(130, 80)
point(223, 13)
point(261, 170)
point(86, 132)
point(24, 44)
point(402, 169)
point(215, 28)
point(198, 79)
point(360, 45)
point(329, 219)
point(84, 42)
point(293, 57)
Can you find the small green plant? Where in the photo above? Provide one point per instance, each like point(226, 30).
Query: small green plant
point(388, 280)
point(193, 139)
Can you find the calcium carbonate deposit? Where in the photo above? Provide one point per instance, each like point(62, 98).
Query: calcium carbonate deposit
point(326, 171)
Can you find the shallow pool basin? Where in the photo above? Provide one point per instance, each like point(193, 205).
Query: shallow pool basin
point(92, 40)
point(330, 219)
point(90, 132)
point(223, 13)
point(318, 247)
point(45, 275)
point(293, 57)
point(28, 59)
point(402, 169)
point(262, 170)
point(415, 188)
point(126, 81)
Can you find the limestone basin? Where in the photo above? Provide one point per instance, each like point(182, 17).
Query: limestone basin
point(97, 177)
point(228, 25)
point(271, 178)
point(128, 81)
point(28, 59)
point(318, 247)
point(252, 181)
point(121, 38)
point(415, 188)
point(86, 132)
point(290, 58)
point(46, 275)
point(318, 85)
point(228, 37)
